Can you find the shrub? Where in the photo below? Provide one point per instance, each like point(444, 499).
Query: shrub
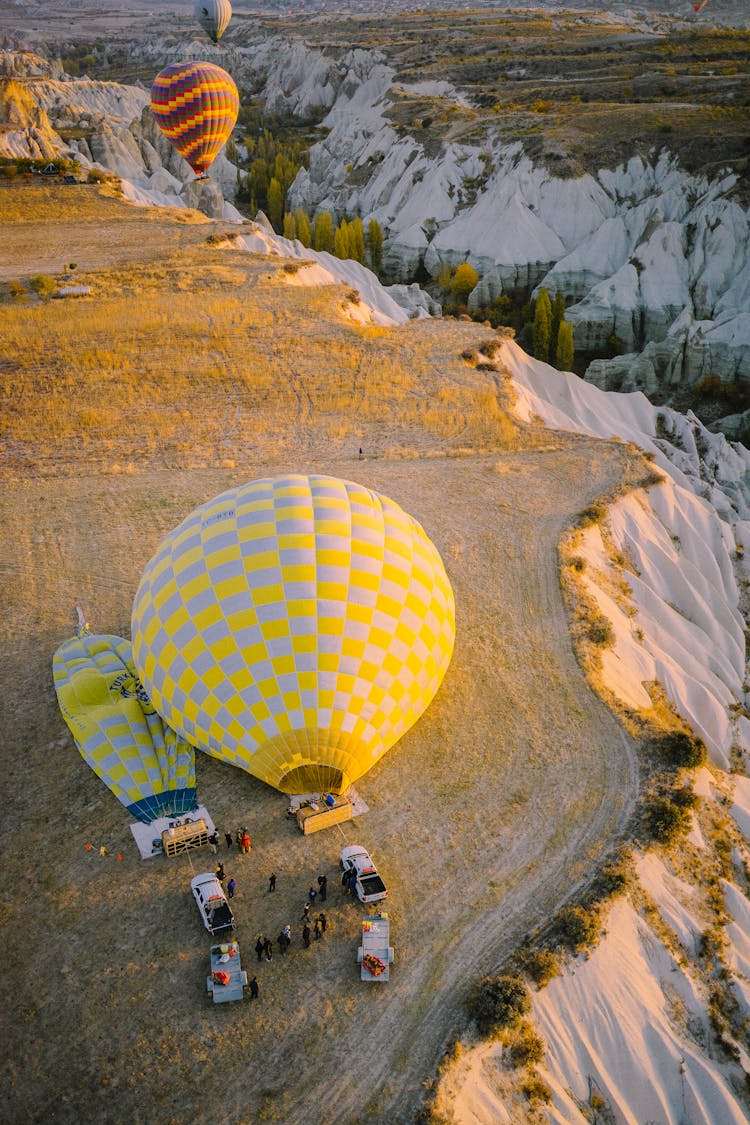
point(616, 877)
point(498, 1002)
point(541, 965)
point(43, 284)
point(525, 1047)
point(682, 750)
point(535, 1089)
point(579, 927)
point(595, 513)
point(667, 822)
point(600, 632)
point(96, 176)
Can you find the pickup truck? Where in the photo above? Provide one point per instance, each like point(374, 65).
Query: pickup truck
point(368, 884)
point(212, 903)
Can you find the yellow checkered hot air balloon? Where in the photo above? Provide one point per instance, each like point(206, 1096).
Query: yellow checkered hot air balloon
point(296, 627)
point(195, 104)
point(118, 731)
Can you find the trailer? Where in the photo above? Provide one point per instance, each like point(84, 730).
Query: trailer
point(375, 955)
point(227, 978)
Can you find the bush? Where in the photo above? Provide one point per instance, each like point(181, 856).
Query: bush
point(600, 632)
point(541, 965)
point(682, 750)
point(96, 176)
point(667, 822)
point(498, 1002)
point(43, 284)
point(595, 513)
point(579, 927)
point(526, 1047)
point(535, 1089)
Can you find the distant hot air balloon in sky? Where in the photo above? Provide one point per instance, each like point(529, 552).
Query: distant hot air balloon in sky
point(195, 104)
point(214, 17)
point(118, 731)
point(296, 627)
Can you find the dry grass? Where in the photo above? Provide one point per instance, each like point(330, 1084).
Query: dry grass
point(498, 802)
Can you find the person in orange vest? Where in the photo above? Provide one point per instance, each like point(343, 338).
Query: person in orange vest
point(245, 842)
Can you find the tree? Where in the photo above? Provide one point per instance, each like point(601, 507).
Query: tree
point(303, 227)
point(357, 240)
point(444, 278)
point(565, 349)
point(375, 245)
point(324, 232)
point(290, 225)
point(275, 203)
point(464, 280)
point(558, 316)
point(341, 240)
point(542, 327)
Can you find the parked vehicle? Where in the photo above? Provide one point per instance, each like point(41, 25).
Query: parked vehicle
point(368, 884)
point(212, 902)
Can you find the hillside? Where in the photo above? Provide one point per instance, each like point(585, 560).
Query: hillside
point(130, 409)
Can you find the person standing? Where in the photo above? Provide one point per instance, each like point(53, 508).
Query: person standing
point(213, 841)
point(245, 842)
point(323, 921)
point(305, 913)
point(317, 931)
point(228, 838)
point(281, 942)
point(221, 873)
point(260, 945)
point(254, 988)
point(288, 934)
point(312, 895)
point(323, 887)
point(306, 935)
point(271, 883)
point(230, 888)
point(268, 949)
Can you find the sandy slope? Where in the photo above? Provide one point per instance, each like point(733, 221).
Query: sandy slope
point(482, 819)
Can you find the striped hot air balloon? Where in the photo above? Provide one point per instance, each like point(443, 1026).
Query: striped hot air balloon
point(195, 104)
point(214, 17)
point(295, 627)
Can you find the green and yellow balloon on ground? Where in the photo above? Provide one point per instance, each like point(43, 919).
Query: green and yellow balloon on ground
point(118, 731)
point(295, 627)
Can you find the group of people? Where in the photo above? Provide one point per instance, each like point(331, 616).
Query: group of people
point(241, 838)
point(264, 945)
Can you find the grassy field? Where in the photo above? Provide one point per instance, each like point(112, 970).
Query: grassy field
point(191, 368)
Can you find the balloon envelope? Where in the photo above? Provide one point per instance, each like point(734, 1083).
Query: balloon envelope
point(214, 17)
point(195, 104)
point(117, 730)
point(295, 627)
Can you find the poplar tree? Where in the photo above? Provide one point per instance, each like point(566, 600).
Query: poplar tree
point(565, 349)
point(275, 203)
point(303, 227)
point(375, 244)
point(357, 240)
point(324, 232)
point(341, 241)
point(542, 326)
point(558, 316)
point(290, 225)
